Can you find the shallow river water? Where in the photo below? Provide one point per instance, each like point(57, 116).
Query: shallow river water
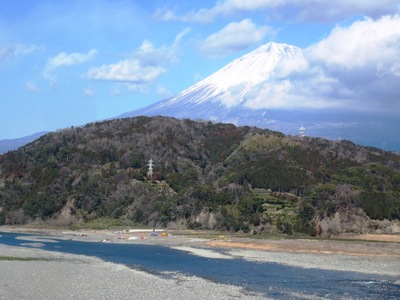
point(274, 280)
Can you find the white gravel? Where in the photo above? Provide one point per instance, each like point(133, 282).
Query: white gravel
point(209, 253)
point(338, 262)
point(66, 276)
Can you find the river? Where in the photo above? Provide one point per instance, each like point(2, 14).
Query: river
point(274, 280)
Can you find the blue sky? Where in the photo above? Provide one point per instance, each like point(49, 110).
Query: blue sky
point(65, 63)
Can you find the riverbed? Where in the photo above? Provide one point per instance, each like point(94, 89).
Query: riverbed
point(245, 273)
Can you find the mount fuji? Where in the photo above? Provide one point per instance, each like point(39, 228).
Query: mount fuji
point(251, 90)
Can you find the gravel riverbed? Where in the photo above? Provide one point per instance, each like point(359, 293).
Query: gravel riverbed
point(62, 276)
point(55, 275)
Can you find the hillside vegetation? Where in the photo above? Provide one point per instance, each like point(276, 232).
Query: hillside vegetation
point(205, 175)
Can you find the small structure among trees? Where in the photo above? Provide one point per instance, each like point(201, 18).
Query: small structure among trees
point(302, 132)
point(150, 170)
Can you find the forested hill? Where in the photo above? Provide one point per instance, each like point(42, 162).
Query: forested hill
point(205, 175)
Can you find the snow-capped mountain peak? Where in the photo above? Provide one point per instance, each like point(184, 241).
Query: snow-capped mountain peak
point(231, 83)
point(265, 88)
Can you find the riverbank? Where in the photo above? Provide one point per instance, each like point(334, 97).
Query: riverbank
point(370, 254)
point(45, 275)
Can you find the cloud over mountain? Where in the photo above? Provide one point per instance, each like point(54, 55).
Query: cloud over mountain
point(354, 68)
point(233, 37)
point(362, 61)
point(312, 10)
point(281, 87)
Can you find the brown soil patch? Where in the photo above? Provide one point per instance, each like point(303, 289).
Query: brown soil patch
point(377, 237)
point(344, 247)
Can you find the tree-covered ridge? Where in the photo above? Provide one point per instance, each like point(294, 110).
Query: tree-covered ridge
point(205, 176)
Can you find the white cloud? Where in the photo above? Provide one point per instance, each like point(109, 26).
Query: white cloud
point(395, 69)
point(148, 54)
point(311, 10)
point(137, 87)
point(164, 92)
point(142, 66)
point(290, 65)
point(64, 59)
point(201, 16)
point(126, 70)
point(116, 91)
point(342, 9)
point(310, 93)
point(88, 92)
point(366, 42)
point(33, 87)
point(355, 68)
point(364, 59)
point(234, 37)
point(15, 50)
point(180, 36)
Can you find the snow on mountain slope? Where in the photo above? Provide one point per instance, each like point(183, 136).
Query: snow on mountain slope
point(230, 84)
point(225, 95)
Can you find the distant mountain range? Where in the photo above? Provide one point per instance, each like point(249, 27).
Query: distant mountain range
point(234, 95)
point(13, 144)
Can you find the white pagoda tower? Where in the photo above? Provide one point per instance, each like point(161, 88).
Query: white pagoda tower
point(302, 132)
point(150, 169)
